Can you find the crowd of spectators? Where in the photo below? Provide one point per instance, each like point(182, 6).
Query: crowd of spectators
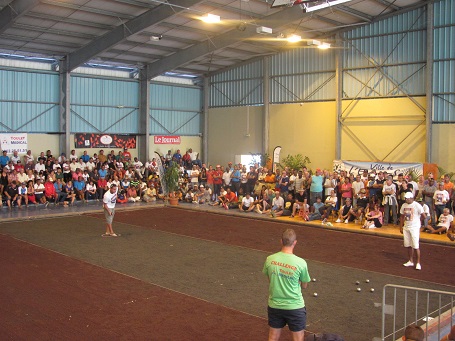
point(370, 198)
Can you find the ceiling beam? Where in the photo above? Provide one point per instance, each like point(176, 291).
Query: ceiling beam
point(122, 32)
point(13, 11)
point(274, 21)
point(88, 9)
point(354, 13)
point(69, 20)
point(388, 4)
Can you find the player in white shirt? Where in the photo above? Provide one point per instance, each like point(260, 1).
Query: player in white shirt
point(410, 214)
point(109, 201)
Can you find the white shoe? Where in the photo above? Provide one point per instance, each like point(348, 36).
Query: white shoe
point(338, 221)
point(418, 266)
point(346, 221)
point(409, 263)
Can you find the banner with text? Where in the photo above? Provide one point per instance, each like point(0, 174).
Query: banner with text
point(12, 142)
point(161, 139)
point(105, 141)
point(357, 167)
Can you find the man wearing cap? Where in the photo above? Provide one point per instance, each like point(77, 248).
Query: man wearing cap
point(410, 214)
point(109, 200)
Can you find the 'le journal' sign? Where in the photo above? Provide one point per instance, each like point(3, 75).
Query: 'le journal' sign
point(161, 139)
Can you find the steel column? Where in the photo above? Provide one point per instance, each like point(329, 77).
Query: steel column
point(65, 109)
point(429, 80)
point(266, 96)
point(339, 95)
point(205, 112)
point(144, 115)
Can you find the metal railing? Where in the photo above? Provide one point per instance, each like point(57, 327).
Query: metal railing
point(433, 310)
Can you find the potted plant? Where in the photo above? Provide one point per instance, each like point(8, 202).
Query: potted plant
point(171, 183)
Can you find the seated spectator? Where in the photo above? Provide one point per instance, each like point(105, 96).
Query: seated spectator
point(70, 192)
point(425, 218)
point(150, 193)
point(12, 195)
point(373, 219)
point(132, 194)
point(277, 205)
point(264, 204)
point(444, 223)
point(79, 189)
point(247, 203)
point(31, 192)
point(329, 206)
point(90, 191)
point(345, 213)
point(49, 192)
point(413, 333)
point(362, 199)
point(61, 194)
point(22, 191)
point(230, 199)
point(289, 203)
point(102, 188)
point(125, 184)
point(39, 191)
point(189, 196)
point(450, 336)
point(316, 209)
point(121, 198)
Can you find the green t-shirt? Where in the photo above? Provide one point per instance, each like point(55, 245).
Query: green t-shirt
point(285, 272)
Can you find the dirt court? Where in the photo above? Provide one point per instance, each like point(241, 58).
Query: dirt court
point(178, 274)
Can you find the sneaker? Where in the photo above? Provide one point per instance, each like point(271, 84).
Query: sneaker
point(338, 221)
point(257, 210)
point(418, 266)
point(324, 221)
point(273, 214)
point(46, 204)
point(195, 202)
point(346, 221)
point(408, 264)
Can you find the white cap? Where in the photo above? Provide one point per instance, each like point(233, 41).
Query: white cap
point(408, 195)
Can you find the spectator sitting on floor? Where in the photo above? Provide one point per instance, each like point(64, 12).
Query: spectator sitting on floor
point(230, 199)
point(450, 336)
point(263, 205)
point(413, 333)
point(150, 193)
point(316, 210)
point(425, 216)
point(247, 203)
point(79, 188)
point(121, 197)
point(102, 188)
point(22, 191)
point(373, 219)
point(39, 191)
point(12, 195)
point(289, 204)
point(70, 192)
point(444, 223)
point(329, 206)
point(49, 192)
point(132, 194)
point(90, 190)
point(300, 200)
point(345, 212)
point(277, 205)
point(60, 193)
point(31, 192)
point(220, 199)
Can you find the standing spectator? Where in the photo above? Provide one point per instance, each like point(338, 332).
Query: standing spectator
point(357, 185)
point(126, 156)
point(109, 200)
point(389, 192)
point(287, 275)
point(217, 180)
point(346, 190)
point(410, 214)
point(428, 193)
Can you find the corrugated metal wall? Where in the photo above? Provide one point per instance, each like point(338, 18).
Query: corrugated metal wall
point(303, 74)
point(444, 62)
point(29, 102)
point(175, 109)
point(386, 58)
point(104, 105)
point(238, 86)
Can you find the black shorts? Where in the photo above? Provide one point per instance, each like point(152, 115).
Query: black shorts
point(295, 319)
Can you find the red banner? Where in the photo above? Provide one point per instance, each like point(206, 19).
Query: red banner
point(104, 141)
point(167, 139)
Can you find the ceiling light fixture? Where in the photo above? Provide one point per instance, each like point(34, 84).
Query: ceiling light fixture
point(294, 38)
point(322, 5)
point(211, 18)
point(319, 44)
point(156, 37)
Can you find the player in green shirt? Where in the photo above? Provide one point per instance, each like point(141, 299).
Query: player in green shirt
point(287, 275)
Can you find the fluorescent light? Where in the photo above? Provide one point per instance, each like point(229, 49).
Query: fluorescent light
point(321, 45)
point(211, 18)
point(293, 38)
point(324, 46)
point(325, 4)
